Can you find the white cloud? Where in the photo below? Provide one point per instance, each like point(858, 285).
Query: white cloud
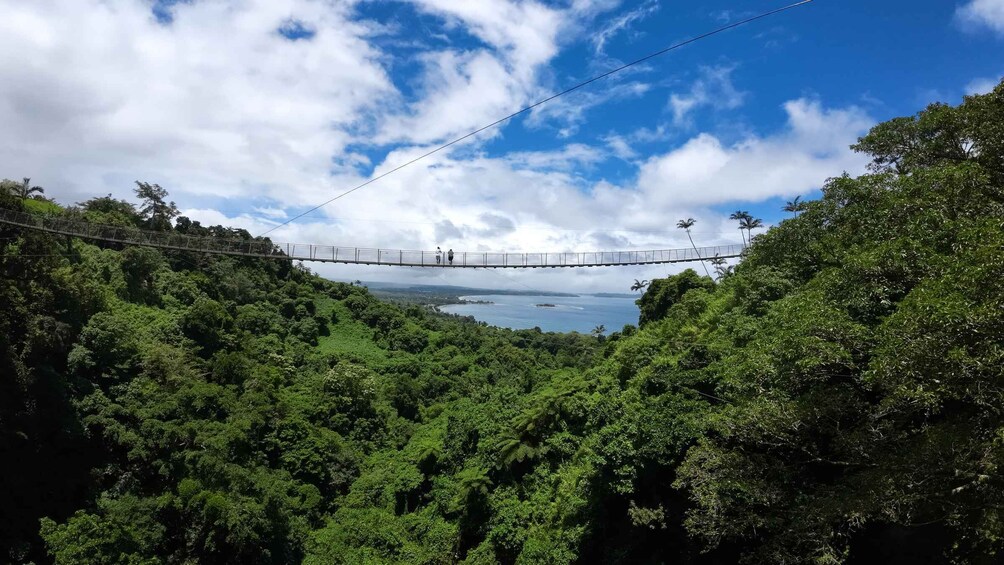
point(981, 85)
point(460, 92)
point(714, 88)
point(575, 155)
point(623, 146)
point(463, 90)
point(569, 112)
point(620, 147)
point(983, 13)
point(218, 104)
point(524, 31)
point(622, 23)
point(729, 16)
point(812, 147)
point(270, 212)
point(99, 93)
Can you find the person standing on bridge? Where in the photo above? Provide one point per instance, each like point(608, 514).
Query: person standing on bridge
point(449, 256)
point(439, 255)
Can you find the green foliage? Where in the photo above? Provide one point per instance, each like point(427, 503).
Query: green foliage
point(108, 347)
point(89, 538)
point(42, 207)
point(109, 211)
point(857, 404)
point(23, 189)
point(836, 395)
point(663, 293)
point(139, 266)
point(206, 323)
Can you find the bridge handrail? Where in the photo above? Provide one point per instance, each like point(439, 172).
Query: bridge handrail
point(265, 248)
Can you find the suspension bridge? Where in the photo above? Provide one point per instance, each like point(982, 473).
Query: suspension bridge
point(266, 249)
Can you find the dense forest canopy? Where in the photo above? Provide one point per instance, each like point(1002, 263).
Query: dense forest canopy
point(837, 398)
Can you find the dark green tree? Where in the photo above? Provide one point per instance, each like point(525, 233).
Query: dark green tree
point(155, 210)
point(26, 190)
point(749, 224)
point(664, 293)
point(638, 285)
point(794, 205)
point(110, 211)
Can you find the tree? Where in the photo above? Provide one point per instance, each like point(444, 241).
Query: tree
point(139, 266)
point(686, 225)
point(206, 323)
point(639, 285)
point(863, 401)
point(110, 211)
point(941, 134)
point(740, 215)
point(722, 268)
point(598, 331)
point(794, 206)
point(157, 213)
point(908, 143)
point(749, 224)
point(662, 294)
point(25, 190)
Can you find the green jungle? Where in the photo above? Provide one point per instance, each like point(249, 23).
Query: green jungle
point(838, 397)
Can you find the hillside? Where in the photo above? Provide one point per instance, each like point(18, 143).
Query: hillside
point(835, 399)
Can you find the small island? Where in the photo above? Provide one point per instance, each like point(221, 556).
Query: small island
point(545, 306)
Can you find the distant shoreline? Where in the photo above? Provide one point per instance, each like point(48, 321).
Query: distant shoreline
point(442, 295)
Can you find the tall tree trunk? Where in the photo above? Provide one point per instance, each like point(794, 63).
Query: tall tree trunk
point(698, 253)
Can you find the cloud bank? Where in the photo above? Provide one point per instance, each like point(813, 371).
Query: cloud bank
point(248, 111)
point(983, 14)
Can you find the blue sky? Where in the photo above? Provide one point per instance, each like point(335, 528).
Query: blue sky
point(250, 111)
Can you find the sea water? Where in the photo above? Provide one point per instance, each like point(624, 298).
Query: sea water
point(580, 313)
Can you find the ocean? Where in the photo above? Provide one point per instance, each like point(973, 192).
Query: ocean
point(580, 313)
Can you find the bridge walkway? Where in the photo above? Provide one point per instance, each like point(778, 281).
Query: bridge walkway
point(266, 249)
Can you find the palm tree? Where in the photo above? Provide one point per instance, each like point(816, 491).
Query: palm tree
point(639, 285)
point(718, 263)
point(599, 330)
point(25, 190)
point(741, 215)
point(749, 224)
point(722, 269)
point(686, 225)
point(795, 205)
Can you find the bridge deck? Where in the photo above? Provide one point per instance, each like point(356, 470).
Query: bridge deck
point(266, 249)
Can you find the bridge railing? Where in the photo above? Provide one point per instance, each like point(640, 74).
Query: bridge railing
point(262, 247)
point(403, 257)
